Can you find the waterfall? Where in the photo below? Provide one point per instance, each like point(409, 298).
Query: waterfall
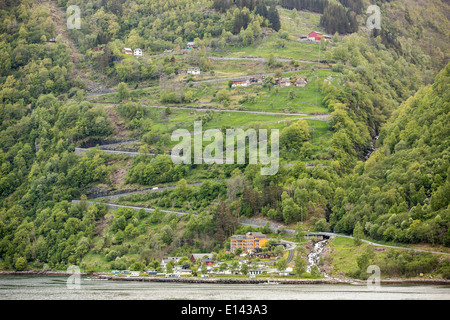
point(314, 255)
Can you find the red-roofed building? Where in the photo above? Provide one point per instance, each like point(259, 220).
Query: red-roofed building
point(127, 51)
point(315, 36)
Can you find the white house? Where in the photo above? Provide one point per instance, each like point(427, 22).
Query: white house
point(172, 275)
point(138, 52)
point(255, 272)
point(193, 70)
point(285, 82)
point(164, 261)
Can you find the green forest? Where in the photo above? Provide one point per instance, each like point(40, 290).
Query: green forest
point(376, 164)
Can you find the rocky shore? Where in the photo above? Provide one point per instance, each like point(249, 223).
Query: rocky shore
point(228, 280)
point(40, 273)
point(276, 281)
point(223, 280)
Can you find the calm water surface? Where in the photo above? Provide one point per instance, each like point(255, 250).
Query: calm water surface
point(55, 288)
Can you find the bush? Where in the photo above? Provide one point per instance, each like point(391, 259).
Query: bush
point(322, 225)
point(21, 264)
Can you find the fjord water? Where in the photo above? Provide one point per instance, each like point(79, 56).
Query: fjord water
point(55, 288)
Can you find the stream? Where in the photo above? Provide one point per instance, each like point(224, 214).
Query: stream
point(372, 148)
point(314, 256)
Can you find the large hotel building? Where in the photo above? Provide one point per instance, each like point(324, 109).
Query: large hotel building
point(248, 241)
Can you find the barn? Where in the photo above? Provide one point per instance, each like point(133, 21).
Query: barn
point(315, 36)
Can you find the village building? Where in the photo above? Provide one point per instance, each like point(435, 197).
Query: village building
point(137, 52)
point(191, 45)
point(257, 80)
point(172, 275)
point(200, 256)
point(248, 241)
point(315, 36)
point(127, 51)
point(255, 272)
point(300, 82)
point(208, 261)
point(240, 83)
point(284, 82)
point(193, 70)
point(165, 261)
point(182, 269)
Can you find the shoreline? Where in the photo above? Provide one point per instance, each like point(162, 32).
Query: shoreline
point(334, 281)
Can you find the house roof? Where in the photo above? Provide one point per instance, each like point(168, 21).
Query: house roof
point(201, 255)
point(207, 260)
point(316, 35)
point(175, 259)
point(257, 234)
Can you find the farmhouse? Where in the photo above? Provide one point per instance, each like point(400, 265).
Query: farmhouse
point(137, 52)
point(127, 51)
point(240, 83)
point(315, 36)
point(300, 82)
point(193, 70)
point(284, 82)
